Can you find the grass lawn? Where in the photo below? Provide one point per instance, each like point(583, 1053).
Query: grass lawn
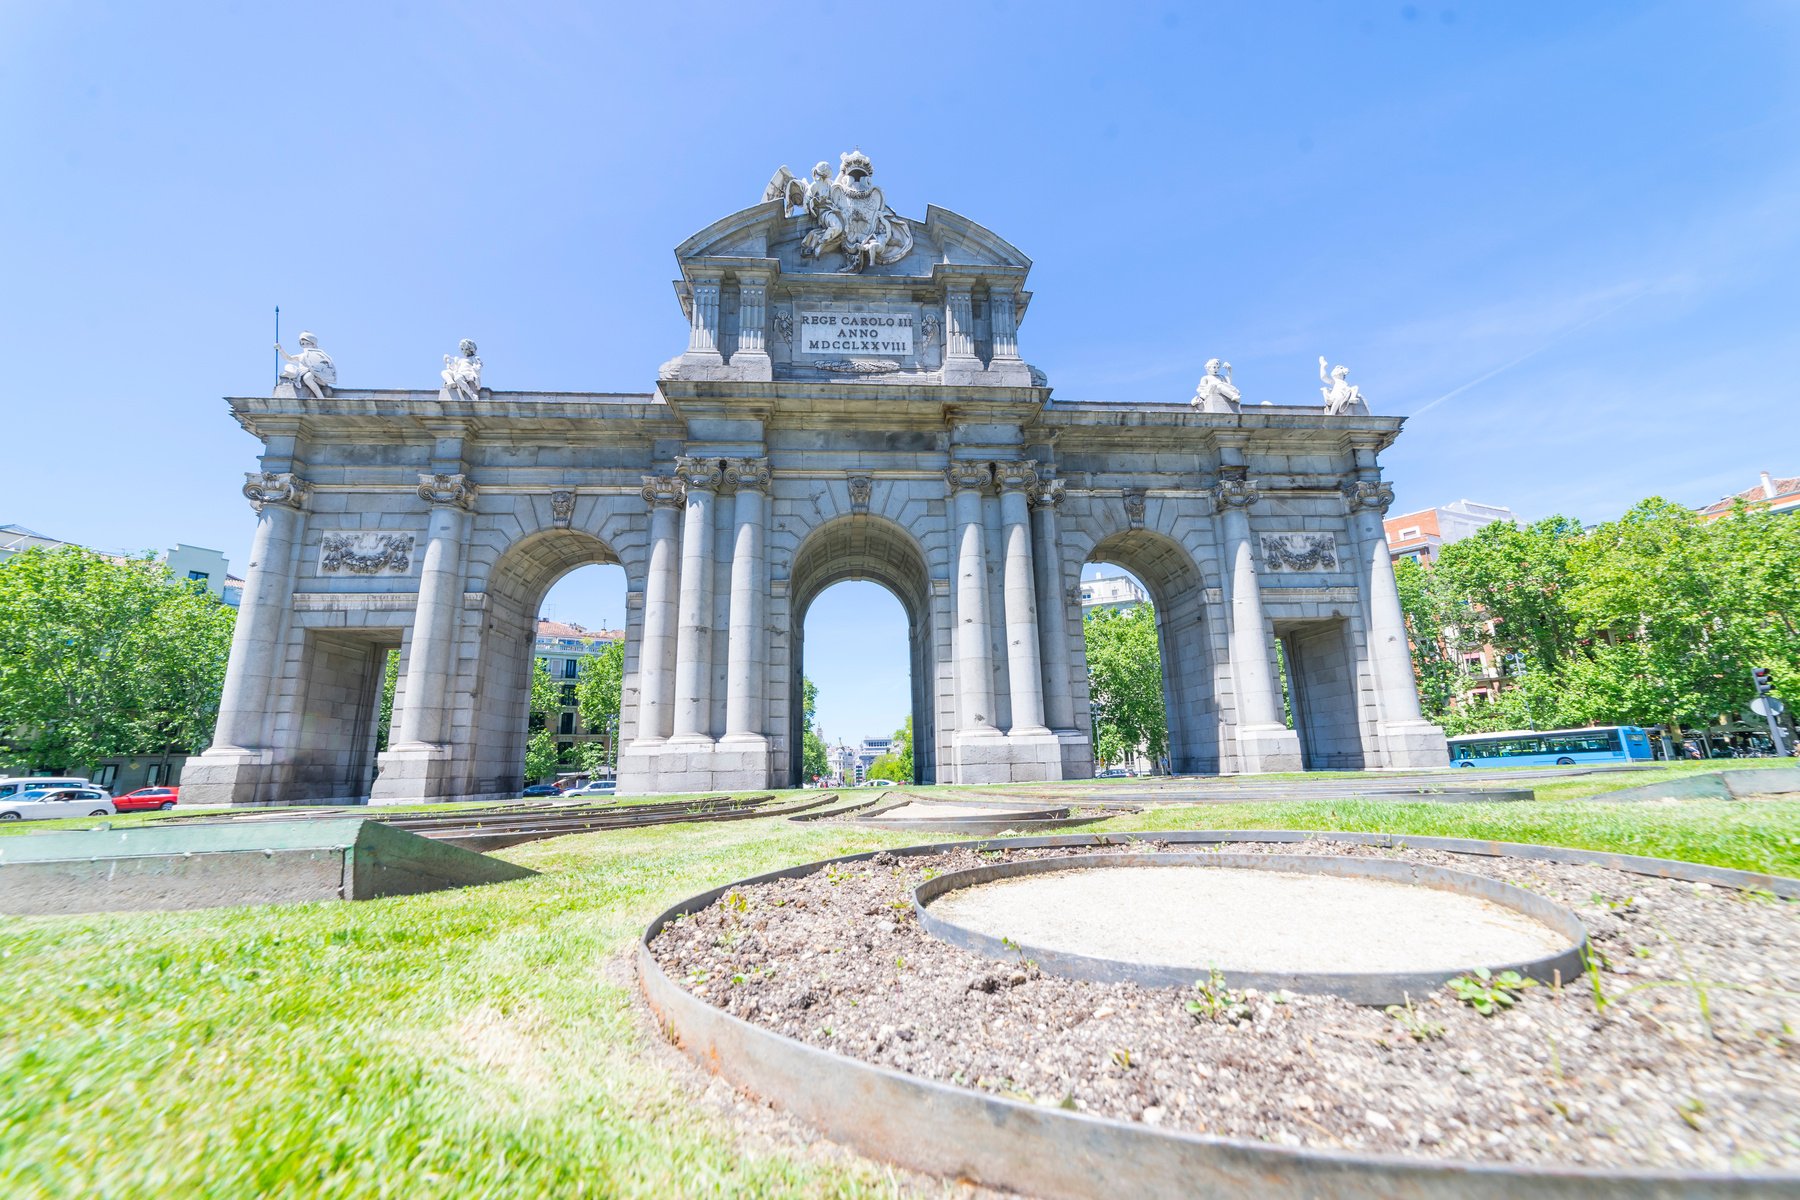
point(484, 1043)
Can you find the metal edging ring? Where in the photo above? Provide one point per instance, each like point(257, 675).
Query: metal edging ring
point(959, 1132)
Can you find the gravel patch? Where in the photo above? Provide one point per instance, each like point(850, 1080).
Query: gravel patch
point(1692, 1064)
point(1244, 920)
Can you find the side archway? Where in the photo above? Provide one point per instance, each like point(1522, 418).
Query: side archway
point(1177, 590)
point(863, 547)
point(516, 586)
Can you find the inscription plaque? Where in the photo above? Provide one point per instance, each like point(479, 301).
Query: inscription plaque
point(825, 332)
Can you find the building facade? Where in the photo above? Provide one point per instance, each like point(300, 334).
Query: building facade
point(1421, 535)
point(562, 648)
point(851, 404)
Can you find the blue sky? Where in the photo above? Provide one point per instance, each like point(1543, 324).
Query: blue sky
point(1562, 236)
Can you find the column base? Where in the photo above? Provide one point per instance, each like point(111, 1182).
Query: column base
point(739, 764)
point(989, 756)
point(414, 773)
point(1267, 748)
point(1412, 745)
point(231, 775)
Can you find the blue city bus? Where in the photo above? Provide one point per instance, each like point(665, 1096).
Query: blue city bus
point(1553, 747)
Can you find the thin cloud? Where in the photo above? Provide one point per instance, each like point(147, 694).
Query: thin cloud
point(1535, 351)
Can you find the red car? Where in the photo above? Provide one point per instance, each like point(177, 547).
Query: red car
point(148, 798)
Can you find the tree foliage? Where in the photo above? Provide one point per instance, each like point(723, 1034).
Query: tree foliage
point(1655, 618)
point(102, 656)
point(540, 746)
point(814, 761)
point(1125, 684)
point(599, 688)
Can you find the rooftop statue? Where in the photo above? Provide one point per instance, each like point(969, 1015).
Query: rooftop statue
point(1342, 398)
point(1215, 392)
point(312, 368)
point(849, 213)
point(462, 373)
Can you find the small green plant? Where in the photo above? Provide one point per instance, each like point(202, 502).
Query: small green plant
point(1213, 1001)
point(1488, 993)
point(1416, 1024)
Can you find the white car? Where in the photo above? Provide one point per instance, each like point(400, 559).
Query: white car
point(47, 804)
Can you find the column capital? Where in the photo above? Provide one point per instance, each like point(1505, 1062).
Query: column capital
point(283, 489)
point(747, 474)
point(968, 476)
point(1047, 494)
point(1375, 494)
point(699, 474)
point(664, 491)
point(1235, 492)
point(1021, 476)
point(456, 491)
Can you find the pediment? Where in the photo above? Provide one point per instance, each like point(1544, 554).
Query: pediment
point(763, 231)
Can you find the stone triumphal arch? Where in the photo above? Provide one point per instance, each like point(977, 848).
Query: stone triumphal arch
point(851, 404)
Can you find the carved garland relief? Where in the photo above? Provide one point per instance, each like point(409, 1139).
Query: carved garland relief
point(366, 553)
point(1300, 551)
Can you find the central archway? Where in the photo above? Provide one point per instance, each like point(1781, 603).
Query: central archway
point(863, 547)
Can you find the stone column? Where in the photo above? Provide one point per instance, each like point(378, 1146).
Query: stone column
point(1053, 608)
point(971, 639)
point(1408, 740)
point(656, 659)
point(694, 633)
point(752, 288)
point(959, 341)
point(703, 315)
point(1265, 743)
point(1023, 665)
point(747, 657)
point(256, 641)
point(1003, 317)
point(432, 656)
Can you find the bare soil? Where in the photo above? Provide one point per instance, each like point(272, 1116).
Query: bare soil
point(1692, 1061)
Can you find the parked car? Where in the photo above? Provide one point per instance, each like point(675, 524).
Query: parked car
point(12, 787)
point(148, 798)
point(600, 787)
point(47, 804)
point(542, 789)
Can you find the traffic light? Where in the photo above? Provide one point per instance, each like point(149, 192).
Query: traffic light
point(1764, 680)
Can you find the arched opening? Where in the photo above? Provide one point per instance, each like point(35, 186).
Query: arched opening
point(1153, 569)
point(871, 549)
point(557, 598)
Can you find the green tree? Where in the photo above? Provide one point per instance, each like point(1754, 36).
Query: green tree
point(814, 761)
point(103, 656)
point(1125, 684)
point(540, 747)
point(599, 686)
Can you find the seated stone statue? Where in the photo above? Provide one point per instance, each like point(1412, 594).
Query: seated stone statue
point(1342, 398)
point(311, 369)
point(1215, 392)
point(462, 373)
